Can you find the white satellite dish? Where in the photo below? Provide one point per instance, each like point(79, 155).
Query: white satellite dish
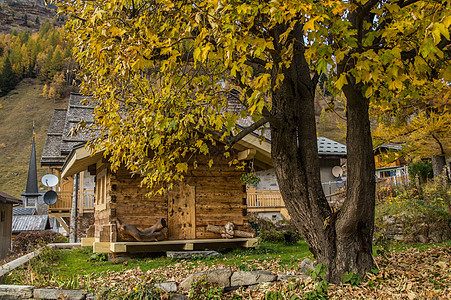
point(337, 171)
point(49, 180)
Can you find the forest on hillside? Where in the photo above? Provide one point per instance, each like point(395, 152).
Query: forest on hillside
point(44, 54)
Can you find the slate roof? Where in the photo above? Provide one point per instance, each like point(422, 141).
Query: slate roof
point(326, 147)
point(21, 211)
point(329, 147)
point(5, 198)
point(59, 143)
point(30, 222)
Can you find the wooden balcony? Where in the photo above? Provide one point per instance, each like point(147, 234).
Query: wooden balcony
point(271, 201)
point(264, 200)
point(63, 206)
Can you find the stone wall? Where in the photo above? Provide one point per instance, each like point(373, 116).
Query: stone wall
point(408, 229)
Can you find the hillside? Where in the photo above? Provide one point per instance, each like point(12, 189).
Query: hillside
point(25, 15)
point(20, 107)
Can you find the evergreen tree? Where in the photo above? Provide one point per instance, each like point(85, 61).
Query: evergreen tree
point(7, 77)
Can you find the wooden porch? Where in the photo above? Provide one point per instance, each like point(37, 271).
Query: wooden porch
point(172, 245)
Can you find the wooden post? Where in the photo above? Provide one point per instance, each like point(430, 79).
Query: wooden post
point(73, 211)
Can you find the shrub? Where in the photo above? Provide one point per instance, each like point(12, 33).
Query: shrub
point(423, 169)
point(203, 289)
point(282, 231)
point(30, 240)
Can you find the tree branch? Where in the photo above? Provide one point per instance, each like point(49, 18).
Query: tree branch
point(246, 131)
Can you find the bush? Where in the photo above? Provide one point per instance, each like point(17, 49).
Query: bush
point(423, 169)
point(282, 231)
point(30, 240)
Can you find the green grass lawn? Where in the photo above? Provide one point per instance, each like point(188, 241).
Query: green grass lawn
point(77, 261)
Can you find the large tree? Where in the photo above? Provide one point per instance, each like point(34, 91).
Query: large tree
point(162, 73)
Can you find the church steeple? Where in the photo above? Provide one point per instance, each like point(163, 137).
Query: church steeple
point(32, 180)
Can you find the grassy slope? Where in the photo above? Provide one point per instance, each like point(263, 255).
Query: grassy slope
point(20, 107)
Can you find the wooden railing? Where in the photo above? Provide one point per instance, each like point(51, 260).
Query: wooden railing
point(394, 180)
point(64, 202)
point(264, 199)
point(85, 201)
point(273, 198)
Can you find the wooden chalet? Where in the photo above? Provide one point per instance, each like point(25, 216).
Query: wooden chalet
point(391, 167)
point(207, 197)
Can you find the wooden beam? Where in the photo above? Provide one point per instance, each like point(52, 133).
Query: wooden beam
point(61, 221)
point(87, 241)
point(101, 247)
point(247, 154)
point(188, 247)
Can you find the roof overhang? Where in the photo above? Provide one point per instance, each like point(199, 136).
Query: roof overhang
point(79, 160)
point(262, 147)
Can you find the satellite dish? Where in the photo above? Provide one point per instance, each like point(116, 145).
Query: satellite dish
point(49, 180)
point(337, 171)
point(50, 197)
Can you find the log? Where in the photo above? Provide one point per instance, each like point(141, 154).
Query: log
point(228, 231)
point(154, 233)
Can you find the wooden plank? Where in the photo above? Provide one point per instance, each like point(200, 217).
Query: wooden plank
point(247, 154)
point(101, 247)
point(182, 212)
point(118, 247)
point(188, 247)
point(252, 243)
point(87, 241)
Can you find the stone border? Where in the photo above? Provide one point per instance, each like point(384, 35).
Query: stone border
point(224, 278)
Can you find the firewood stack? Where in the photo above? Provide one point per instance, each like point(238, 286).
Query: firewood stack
point(228, 231)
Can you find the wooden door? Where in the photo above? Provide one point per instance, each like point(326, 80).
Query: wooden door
point(182, 212)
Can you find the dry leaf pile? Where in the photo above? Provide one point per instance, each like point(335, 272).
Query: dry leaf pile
point(411, 274)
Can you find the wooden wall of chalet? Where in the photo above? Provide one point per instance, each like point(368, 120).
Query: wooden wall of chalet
point(6, 215)
point(207, 196)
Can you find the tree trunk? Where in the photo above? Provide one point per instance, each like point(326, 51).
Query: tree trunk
point(438, 164)
point(340, 240)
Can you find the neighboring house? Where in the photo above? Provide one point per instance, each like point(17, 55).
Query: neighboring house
point(265, 198)
point(58, 145)
point(391, 168)
point(6, 215)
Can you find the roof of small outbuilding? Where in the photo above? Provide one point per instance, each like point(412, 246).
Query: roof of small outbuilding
point(5, 198)
point(30, 223)
point(21, 211)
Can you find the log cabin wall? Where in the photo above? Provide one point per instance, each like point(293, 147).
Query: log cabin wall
point(220, 195)
point(130, 204)
point(207, 196)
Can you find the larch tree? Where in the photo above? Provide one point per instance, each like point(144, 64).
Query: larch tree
point(161, 72)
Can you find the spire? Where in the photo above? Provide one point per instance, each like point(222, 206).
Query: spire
point(32, 181)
